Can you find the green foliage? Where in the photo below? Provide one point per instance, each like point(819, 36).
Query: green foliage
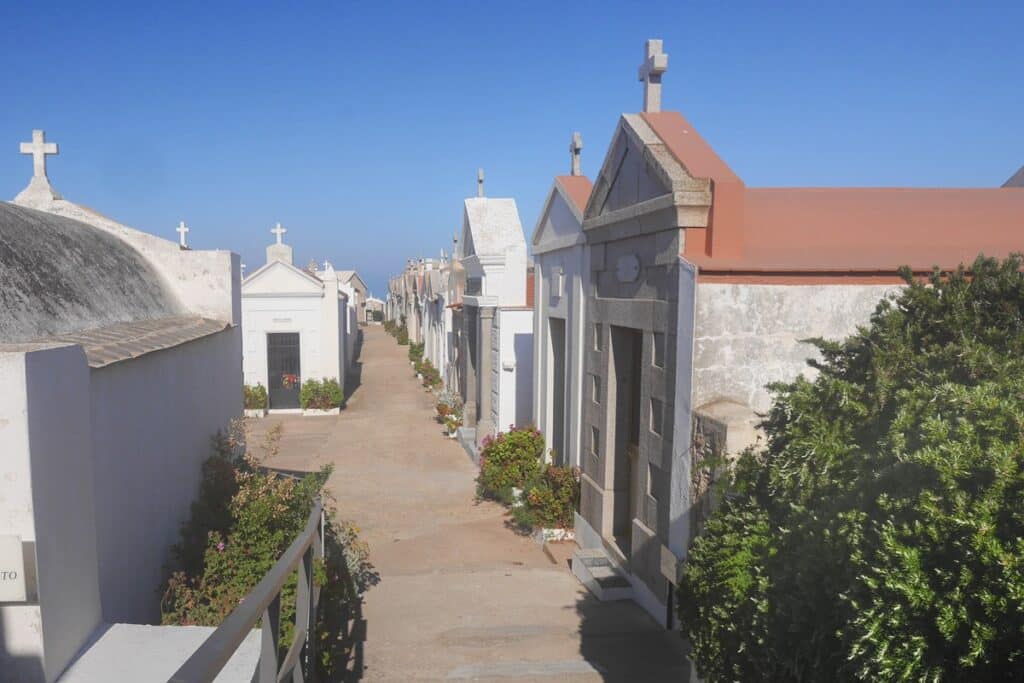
point(508, 461)
point(255, 397)
point(880, 534)
point(243, 521)
point(402, 335)
point(415, 352)
point(390, 327)
point(550, 497)
point(321, 394)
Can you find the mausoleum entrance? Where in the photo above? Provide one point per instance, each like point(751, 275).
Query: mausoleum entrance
point(627, 351)
point(283, 370)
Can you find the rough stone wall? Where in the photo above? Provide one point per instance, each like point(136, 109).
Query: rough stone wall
point(749, 335)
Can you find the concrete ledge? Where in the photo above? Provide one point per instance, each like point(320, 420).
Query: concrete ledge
point(130, 652)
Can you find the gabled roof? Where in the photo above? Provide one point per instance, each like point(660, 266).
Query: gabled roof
point(572, 192)
point(874, 230)
point(301, 277)
point(348, 275)
point(492, 226)
point(1016, 180)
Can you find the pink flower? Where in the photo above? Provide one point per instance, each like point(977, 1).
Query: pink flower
point(220, 546)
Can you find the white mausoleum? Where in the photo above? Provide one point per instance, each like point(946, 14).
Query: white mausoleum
point(296, 325)
point(119, 357)
point(561, 273)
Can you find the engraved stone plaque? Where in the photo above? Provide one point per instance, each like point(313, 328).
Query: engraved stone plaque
point(12, 569)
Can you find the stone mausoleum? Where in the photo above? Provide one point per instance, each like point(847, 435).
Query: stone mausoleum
point(702, 292)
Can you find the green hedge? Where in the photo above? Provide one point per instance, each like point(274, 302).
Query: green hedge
point(880, 534)
point(255, 397)
point(321, 394)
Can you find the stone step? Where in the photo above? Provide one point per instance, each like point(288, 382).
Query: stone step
point(601, 577)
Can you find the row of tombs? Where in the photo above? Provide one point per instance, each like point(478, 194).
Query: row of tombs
point(659, 303)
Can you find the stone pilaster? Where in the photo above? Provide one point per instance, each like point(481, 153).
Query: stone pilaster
point(485, 426)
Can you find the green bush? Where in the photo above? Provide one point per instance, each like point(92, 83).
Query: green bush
point(415, 352)
point(509, 460)
point(321, 394)
point(550, 497)
point(402, 335)
point(255, 397)
point(880, 534)
point(241, 524)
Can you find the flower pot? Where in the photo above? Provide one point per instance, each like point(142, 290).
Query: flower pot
point(313, 412)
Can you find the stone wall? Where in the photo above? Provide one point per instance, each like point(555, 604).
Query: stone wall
point(749, 335)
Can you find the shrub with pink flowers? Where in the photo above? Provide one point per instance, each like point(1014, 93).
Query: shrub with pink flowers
point(244, 519)
point(508, 461)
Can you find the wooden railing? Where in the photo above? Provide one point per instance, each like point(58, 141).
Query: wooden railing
point(299, 664)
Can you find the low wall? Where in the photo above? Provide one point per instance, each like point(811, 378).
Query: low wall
point(152, 421)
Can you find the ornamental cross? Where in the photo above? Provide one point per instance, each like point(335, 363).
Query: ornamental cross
point(279, 231)
point(182, 231)
point(39, 148)
point(480, 182)
point(575, 147)
point(655, 64)
point(241, 267)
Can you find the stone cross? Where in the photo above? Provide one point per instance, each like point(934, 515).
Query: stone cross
point(279, 231)
point(655, 64)
point(480, 182)
point(242, 267)
point(327, 264)
point(182, 231)
point(575, 147)
point(39, 148)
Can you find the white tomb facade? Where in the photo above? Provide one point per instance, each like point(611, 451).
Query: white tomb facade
point(294, 326)
point(561, 269)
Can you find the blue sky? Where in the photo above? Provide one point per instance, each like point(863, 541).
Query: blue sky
point(360, 126)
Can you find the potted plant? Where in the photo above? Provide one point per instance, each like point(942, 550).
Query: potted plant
point(452, 423)
point(321, 397)
point(254, 400)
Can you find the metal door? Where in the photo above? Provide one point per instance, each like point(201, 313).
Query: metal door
point(283, 369)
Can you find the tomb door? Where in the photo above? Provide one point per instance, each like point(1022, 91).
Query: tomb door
point(627, 351)
point(557, 396)
point(283, 370)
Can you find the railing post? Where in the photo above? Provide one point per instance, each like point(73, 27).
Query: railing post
point(268, 641)
point(304, 616)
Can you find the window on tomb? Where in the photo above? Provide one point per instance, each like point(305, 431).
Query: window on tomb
point(659, 349)
point(595, 439)
point(657, 416)
point(595, 392)
point(598, 330)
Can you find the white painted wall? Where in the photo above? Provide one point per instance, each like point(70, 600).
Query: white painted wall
point(264, 315)
point(572, 266)
point(152, 421)
point(512, 386)
point(47, 499)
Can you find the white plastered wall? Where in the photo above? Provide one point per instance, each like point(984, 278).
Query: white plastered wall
point(513, 371)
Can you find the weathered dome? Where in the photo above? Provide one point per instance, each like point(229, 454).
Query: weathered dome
point(59, 275)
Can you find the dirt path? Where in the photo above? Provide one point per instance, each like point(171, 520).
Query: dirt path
point(461, 596)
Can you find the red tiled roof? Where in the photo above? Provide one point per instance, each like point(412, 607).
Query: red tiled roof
point(577, 187)
point(824, 230)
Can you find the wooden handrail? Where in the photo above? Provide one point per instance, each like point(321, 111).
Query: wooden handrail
point(264, 601)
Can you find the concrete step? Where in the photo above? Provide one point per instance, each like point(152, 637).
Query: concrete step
point(601, 577)
point(138, 653)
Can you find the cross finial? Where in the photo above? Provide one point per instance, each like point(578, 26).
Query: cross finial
point(279, 231)
point(575, 147)
point(242, 268)
point(182, 231)
point(655, 64)
point(38, 148)
point(480, 182)
point(327, 264)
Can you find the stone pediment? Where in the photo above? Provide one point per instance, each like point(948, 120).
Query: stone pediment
point(283, 279)
point(561, 220)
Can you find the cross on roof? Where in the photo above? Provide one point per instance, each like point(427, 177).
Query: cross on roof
point(182, 231)
point(480, 182)
point(39, 148)
point(575, 147)
point(655, 64)
point(242, 268)
point(279, 231)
